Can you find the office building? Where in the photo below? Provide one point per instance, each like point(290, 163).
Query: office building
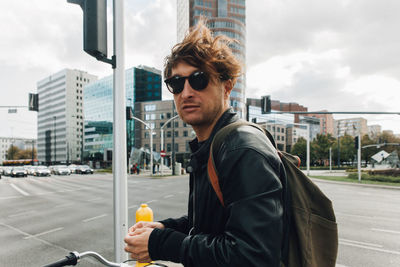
point(176, 132)
point(374, 131)
point(326, 122)
point(60, 116)
point(224, 17)
point(351, 126)
point(142, 83)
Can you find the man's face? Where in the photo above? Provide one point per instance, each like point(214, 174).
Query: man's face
point(199, 108)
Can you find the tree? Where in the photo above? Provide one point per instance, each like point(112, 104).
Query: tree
point(300, 149)
point(320, 147)
point(26, 154)
point(12, 152)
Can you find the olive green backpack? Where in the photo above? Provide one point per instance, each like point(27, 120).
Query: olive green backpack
point(310, 231)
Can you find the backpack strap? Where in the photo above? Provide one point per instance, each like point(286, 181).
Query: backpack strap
point(215, 144)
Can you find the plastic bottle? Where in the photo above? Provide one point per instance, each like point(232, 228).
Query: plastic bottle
point(144, 213)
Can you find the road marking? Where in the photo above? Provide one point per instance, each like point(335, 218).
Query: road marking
point(168, 196)
point(94, 218)
point(21, 213)
point(340, 265)
point(367, 217)
point(151, 201)
point(133, 206)
point(63, 205)
point(365, 245)
point(386, 231)
point(44, 233)
point(360, 243)
point(9, 197)
point(95, 199)
point(19, 190)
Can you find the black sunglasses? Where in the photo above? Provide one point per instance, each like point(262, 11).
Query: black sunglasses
point(198, 80)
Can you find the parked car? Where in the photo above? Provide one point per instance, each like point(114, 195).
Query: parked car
point(41, 171)
point(72, 168)
point(29, 169)
point(62, 170)
point(84, 169)
point(19, 172)
point(7, 171)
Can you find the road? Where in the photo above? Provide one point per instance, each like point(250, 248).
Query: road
point(42, 219)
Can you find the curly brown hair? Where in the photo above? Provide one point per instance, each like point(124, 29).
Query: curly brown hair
point(202, 50)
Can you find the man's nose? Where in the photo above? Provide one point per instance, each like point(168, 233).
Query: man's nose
point(187, 91)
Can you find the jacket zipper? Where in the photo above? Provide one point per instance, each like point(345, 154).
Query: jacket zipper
point(194, 206)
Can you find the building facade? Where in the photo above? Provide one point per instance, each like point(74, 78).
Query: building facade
point(224, 17)
point(142, 83)
point(177, 134)
point(374, 131)
point(60, 116)
point(351, 126)
point(326, 123)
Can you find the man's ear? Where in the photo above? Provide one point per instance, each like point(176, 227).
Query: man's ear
point(228, 86)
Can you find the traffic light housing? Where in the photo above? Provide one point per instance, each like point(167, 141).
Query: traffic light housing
point(33, 104)
point(94, 28)
point(356, 142)
point(266, 104)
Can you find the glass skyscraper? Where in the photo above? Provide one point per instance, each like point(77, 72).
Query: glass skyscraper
point(142, 84)
point(224, 17)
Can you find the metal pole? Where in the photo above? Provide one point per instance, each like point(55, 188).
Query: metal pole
point(151, 151)
point(162, 148)
point(359, 157)
point(330, 159)
point(173, 140)
point(55, 140)
point(308, 149)
point(119, 136)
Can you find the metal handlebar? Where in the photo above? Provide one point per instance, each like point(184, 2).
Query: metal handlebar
point(74, 257)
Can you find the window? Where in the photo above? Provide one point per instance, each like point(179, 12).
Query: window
point(185, 133)
point(176, 147)
point(169, 134)
point(176, 133)
point(169, 147)
point(168, 115)
point(169, 125)
point(150, 107)
point(177, 124)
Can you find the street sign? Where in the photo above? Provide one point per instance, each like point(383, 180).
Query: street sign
point(162, 153)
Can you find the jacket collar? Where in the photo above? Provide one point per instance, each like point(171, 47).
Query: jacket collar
point(200, 154)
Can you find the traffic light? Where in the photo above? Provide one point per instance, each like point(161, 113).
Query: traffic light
point(94, 27)
point(356, 142)
point(266, 104)
point(33, 102)
point(129, 113)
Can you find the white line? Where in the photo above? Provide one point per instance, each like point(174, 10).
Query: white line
point(47, 232)
point(21, 213)
point(360, 243)
point(133, 206)
point(151, 201)
point(63, 205)
point(371, 248)
point(95, 199)
point(340, 265)
point(386, 231)
point(94, 218)
point(10, 197)
point(19, 190)
point(168, 196)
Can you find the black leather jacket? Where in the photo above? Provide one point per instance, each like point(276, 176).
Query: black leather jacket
point(249, 230)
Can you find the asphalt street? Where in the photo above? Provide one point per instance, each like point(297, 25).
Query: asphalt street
point(42, 219)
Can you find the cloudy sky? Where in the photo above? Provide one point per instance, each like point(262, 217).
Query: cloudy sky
point(339, 55)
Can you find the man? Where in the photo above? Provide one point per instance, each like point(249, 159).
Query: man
point(248, 231)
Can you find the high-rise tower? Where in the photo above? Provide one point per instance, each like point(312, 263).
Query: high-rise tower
point(224, 17)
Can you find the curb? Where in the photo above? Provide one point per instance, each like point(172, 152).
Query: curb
point(357, 184)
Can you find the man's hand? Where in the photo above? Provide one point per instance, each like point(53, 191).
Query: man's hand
point(137, 244)
point(142, 224)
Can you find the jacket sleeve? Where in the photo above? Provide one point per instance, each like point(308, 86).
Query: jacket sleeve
point(179, 224)
point(253, 197)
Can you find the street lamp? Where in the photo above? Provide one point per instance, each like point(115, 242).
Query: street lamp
point(151, 141)
point(55, 140)
point(162, 139)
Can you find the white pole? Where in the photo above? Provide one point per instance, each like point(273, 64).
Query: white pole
point(162, 148)
point(308, 149)
point(119, 142)
point(359, 157)
point(330, 159)
point(151, 151)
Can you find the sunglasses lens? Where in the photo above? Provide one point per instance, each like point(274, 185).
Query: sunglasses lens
point(198, 80)
point(175, 84)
